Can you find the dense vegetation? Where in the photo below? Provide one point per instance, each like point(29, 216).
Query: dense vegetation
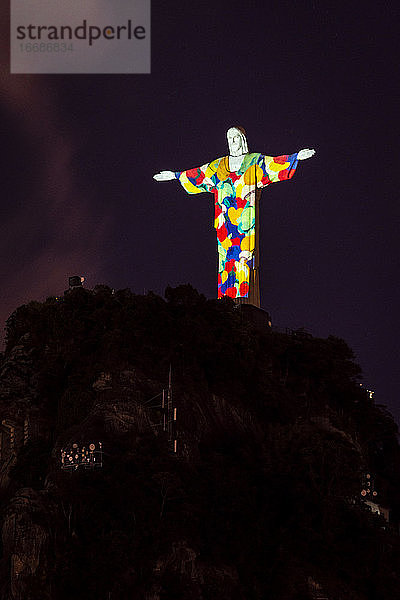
point(276, 437)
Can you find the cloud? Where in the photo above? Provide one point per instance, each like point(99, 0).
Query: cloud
point(53, 230)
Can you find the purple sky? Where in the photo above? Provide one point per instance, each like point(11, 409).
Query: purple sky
point(79, 154)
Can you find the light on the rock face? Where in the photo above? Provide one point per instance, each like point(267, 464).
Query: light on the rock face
point(87, 457)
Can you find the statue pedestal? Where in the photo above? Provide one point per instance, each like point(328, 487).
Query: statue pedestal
point(254, 314)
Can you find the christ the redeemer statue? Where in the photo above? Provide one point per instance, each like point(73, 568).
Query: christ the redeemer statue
point(236, 182)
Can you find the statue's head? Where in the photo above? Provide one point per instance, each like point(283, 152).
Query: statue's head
point(237, 142)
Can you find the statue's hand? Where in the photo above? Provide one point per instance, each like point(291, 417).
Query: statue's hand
point(305, 153)
point(164, 176)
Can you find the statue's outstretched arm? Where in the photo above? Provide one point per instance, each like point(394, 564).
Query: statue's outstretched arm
point(305, 153)
point(164, 176)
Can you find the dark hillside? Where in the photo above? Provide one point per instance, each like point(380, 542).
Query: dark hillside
point(263, 498)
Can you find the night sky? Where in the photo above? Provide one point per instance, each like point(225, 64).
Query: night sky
point(79, 152)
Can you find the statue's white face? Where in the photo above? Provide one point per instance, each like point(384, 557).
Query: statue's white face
point(234, 142)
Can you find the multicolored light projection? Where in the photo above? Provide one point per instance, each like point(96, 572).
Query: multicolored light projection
point(235, 210)
point(236, 182)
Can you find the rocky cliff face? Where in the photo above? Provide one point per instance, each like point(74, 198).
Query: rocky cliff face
point(239, 480)
point(26, 541)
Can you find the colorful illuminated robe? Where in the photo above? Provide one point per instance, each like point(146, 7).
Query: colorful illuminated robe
point(235, 196)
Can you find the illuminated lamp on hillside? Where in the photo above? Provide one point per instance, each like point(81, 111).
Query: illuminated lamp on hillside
point(86, 456)
point(368, 487)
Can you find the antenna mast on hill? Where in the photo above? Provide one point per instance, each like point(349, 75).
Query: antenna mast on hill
point(169, 413)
